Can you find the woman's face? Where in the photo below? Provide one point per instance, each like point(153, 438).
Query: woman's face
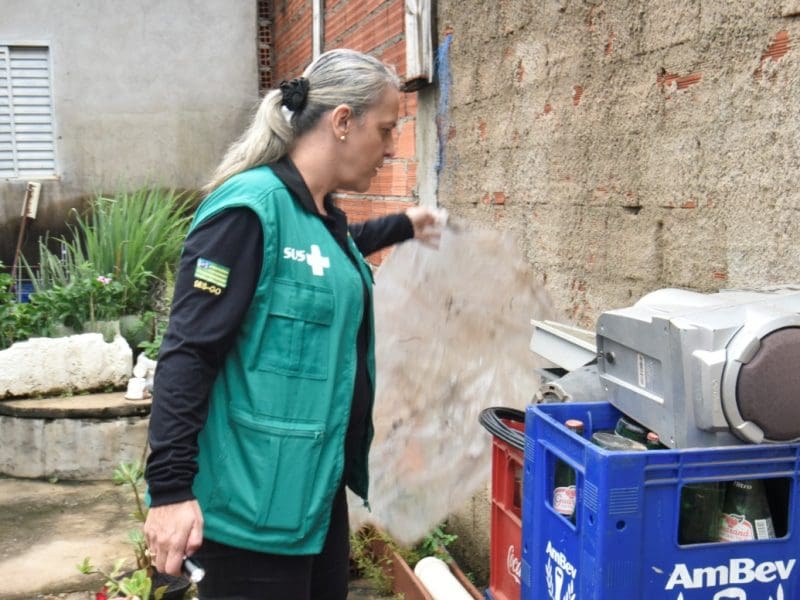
point(369, 139)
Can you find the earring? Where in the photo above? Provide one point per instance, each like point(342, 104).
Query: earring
point(342, 138)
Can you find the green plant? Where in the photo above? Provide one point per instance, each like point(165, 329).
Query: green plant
point(88, 297)
point(134, 238)
point(119, 261)
point(8, 318)
point(120, 584)
point(151, 348)
point(436, 543)
point(132, 233)
point(372, 565)
point(368, 564)
point(52, 269)
point(18, 321)
point(138, 583)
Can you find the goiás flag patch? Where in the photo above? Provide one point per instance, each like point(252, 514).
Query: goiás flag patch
point(211, 272)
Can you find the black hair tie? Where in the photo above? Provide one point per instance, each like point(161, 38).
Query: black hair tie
point(295, 93)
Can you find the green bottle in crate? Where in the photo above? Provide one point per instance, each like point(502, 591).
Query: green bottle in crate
point(609, 440)
point(745, 513)
point(701, 505)
point(627, 427)
point(564, 491)
point(653, 441)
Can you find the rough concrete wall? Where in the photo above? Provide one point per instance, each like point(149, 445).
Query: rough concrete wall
point(149, 91)
point(634, 144)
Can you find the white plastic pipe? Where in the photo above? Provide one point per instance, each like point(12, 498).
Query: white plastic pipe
point(440, 582)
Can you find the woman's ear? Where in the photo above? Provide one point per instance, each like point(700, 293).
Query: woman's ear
point(341, 117)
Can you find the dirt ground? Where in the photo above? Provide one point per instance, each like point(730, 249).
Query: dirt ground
point(47, 528)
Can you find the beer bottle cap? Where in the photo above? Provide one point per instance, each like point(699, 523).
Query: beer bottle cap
point(575, 425)
point(653, 441)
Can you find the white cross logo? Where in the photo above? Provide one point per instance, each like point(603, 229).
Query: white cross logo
point(317, 262)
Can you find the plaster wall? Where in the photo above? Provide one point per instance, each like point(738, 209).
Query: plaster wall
point(633, 144)
point(151, 91)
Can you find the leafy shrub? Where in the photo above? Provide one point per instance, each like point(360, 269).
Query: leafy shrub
point(119, 261)
point(88, 297)
point(133, 238)
point(133, 233)
point(119, 583)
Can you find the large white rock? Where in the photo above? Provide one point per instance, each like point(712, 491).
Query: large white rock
point(48, 366)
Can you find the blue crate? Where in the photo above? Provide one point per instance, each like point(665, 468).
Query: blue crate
point(24, 290)
point(624, 543)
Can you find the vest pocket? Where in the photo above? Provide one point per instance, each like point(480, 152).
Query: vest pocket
point(280, 461)
point(296, 335)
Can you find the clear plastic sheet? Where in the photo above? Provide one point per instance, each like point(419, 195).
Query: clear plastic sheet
point(453, 328)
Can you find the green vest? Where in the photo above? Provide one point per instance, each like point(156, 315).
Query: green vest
point(271, 454)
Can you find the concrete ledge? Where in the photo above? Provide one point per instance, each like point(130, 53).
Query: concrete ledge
point(76, 438)
point(92, 406)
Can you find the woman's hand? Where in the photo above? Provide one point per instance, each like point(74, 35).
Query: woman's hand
point(427, 224)
point(173, 531)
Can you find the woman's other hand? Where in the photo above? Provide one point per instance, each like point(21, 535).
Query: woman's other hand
point(173, 531)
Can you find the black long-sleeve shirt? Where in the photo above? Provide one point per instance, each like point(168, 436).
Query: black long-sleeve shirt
point(203, 327)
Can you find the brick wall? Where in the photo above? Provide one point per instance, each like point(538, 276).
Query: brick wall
point(376, 27)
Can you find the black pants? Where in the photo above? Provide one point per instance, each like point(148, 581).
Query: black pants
point(237, 574)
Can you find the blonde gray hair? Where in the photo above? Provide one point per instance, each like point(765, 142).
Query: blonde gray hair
point(337, 77)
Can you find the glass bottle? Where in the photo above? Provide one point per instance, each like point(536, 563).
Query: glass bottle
point(564, 491)
point(609, 440)
point(627, 427)
point(701, 505)
point(745, 513)
point(653, 441)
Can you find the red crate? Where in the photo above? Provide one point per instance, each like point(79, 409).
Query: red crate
point(506, 530)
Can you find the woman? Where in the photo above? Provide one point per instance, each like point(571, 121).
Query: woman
point(265, 382)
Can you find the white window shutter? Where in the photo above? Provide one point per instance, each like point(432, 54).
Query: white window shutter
point(27, 147)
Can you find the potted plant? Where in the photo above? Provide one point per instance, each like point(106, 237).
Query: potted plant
point(143, 582)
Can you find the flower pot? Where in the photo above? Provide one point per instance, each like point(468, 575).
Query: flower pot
point(109, 329)
point(405, 581)
point(397, 570)
point(61, 330)
point(136, 329)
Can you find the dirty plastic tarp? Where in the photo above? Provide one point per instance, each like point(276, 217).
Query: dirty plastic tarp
point(453, 328)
